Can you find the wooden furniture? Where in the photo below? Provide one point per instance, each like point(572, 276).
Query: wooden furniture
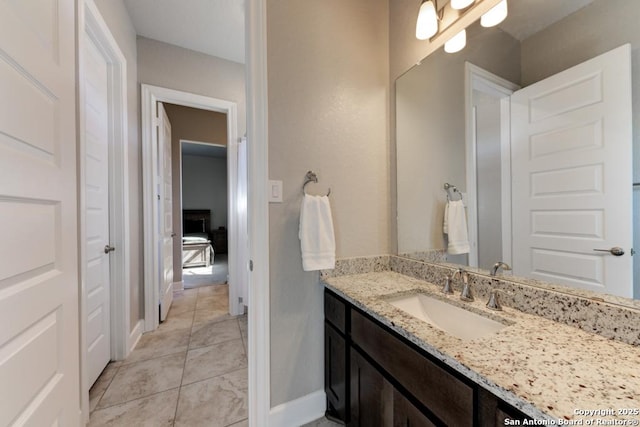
point(196, 254)
point(196, 241)
point(196, 221)
point(375, 377)
point(219, 239)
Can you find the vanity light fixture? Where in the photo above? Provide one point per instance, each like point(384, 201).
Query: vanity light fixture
point(461, 4)
point(427, 24)
point(495, 15)
point(456, 43)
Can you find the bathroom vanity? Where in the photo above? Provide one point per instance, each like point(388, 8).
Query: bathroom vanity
point(384, 366)
point(373, 374)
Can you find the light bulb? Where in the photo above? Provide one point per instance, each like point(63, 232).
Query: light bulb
point(456, 43)
point(460, 4)
point(427, 24)
point(495, 15)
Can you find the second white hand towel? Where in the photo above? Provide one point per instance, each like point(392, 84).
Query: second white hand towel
point(456, 226)
point(317, 239)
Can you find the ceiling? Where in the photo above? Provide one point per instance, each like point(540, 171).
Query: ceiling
point(527, 17)
point(214, 27)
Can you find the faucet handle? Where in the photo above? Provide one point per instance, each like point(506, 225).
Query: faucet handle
point(447, 285)
point(466, 294)
point(494, 302)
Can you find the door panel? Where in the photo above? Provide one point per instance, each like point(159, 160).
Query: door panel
point(96, 194)
point(572, 181)
point(39, 341)
point(166, 223)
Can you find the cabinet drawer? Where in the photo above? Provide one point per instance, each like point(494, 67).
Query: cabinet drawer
point(335, 311)
point(447, 397)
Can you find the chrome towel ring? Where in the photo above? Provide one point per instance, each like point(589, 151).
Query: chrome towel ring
point(311, 177)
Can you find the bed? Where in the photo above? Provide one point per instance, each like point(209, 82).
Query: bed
point(196, 244)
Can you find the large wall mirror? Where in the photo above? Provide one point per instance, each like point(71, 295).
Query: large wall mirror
point(536, 124)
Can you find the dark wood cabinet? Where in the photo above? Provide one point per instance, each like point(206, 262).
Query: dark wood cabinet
point(336, 357)
point(446, 396)
point(370, 394)
point(405, 414)
point(335, 373)
point(375, 377)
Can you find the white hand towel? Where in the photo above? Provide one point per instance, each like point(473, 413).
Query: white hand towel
point(317, 239)
point(445, 226)
point(455, 224)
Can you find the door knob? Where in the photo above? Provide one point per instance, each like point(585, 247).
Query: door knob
point(616, 251)
point(108, 249)
point(173, 234)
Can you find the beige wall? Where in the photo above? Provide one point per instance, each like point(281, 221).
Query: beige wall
point(173, 67)
point(117, 18)
point(328, 112)
point(197, 125)
point(194, 125)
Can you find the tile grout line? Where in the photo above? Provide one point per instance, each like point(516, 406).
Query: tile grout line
point(215, 376)
point(105, 391)
point(133, 400)
point(184, 367)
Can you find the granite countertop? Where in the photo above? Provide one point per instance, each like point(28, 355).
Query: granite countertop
point(546, 369)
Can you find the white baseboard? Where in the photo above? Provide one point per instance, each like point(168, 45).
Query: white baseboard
point(178, 286)
point(300, 411)
point(135, 335)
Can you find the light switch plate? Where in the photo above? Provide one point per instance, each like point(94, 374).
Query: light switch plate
point(275, 191)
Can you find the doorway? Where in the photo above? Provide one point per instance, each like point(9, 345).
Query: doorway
point(238, 258)
point(203, 255)
point(488, 175)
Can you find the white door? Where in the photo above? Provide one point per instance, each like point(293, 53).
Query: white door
point(166, 222)
point(572, 182)
point(97, 247)
point(39, 338)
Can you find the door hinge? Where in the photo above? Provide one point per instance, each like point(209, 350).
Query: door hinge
point(250, 265)
point(240, 300)
point(158, 197)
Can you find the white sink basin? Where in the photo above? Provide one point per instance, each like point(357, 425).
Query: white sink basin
point(451, 319)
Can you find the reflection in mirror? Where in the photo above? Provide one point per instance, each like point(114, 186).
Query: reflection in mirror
point(541, 187)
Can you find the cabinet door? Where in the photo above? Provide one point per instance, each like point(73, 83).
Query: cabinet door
point(371, 395)
point(506, 415)
point(335, 373)
point(407, 415)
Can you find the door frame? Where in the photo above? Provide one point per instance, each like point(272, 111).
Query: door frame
point(477, 78)
point(258, 212)
point(92, 25)
point(149, 96)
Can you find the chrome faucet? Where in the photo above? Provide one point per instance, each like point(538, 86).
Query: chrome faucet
point(466, 294)
point(494, 302)
point(499, 265)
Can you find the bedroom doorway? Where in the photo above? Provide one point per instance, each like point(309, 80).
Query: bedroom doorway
point(237, 257)
point(204, 252)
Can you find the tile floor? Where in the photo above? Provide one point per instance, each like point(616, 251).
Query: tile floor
point(191, 371)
